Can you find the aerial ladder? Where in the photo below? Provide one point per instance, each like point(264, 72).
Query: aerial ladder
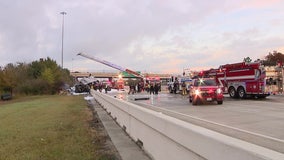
point(111, 65)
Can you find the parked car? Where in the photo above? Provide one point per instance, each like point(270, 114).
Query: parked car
point(205, 90)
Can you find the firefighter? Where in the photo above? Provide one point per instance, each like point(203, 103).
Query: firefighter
point(151, 88)
point(183, 85)
point(156, 88)
point(106, 87)
point(131, 89)
point(147, 87)
point(176, 84)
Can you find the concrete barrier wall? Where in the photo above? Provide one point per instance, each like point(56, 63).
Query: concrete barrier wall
point(167, 138)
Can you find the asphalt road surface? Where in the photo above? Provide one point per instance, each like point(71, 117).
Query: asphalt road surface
point(259, 121)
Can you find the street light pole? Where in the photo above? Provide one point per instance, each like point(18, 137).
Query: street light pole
point(63, 13)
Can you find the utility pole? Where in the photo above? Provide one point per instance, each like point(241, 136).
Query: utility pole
point(63, 13)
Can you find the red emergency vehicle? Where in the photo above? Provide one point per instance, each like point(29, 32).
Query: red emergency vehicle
point(118, 84)
point(205, 90)
point(240, 79)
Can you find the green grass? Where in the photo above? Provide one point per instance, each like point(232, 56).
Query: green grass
point(46, 128)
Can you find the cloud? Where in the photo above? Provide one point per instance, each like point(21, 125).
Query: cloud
point(150, 35)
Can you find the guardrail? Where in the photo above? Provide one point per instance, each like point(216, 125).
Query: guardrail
point(167, 138)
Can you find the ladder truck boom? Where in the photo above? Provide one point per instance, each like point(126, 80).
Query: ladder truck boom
point(110, 64)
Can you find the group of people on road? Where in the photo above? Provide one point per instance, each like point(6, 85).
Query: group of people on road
point(154, 88)
point(134, 87)
point(149, 87)
point(174, 87)
point(101, 85)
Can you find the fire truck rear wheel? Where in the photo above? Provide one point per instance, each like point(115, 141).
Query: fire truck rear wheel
point(261, 96)
point(232, 92)
point(241, 92)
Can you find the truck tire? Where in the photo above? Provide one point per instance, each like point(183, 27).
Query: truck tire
point(220, 102)
point(261, 96)
point(241, 92)
point(232, 92)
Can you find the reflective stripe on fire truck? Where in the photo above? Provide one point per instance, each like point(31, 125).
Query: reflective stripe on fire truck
point(234, 78)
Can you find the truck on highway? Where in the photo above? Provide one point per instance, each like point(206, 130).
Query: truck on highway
point(240, 80)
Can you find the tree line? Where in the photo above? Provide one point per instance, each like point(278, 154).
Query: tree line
point(38, 77)
point(272, 59)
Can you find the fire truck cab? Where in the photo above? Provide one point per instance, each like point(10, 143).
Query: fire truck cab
point(240, 79)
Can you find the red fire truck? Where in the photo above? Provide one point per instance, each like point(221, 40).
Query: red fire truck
point(240, 79)
point(118, 84)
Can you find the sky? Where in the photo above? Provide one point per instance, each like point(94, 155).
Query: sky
point(154, 36)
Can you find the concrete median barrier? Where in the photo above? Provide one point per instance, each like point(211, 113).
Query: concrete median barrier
point(166, 138)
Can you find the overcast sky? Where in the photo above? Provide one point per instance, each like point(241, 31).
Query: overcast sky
point(164, 36)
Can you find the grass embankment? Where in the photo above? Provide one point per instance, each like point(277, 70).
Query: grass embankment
point(46, 128)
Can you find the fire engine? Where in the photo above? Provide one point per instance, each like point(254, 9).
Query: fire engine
point(240, 79)
point(118, 84)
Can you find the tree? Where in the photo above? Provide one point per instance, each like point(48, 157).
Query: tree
point(39, 77)
point(12, 75)
point(272, 58)
point(247, 60)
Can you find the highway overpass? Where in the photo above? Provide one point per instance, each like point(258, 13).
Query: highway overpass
point(115, 75)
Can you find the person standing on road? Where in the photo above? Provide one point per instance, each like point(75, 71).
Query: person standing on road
point(183, 85)
point(131, 89)
point(176, 86)
point(106, 88)
point(156, 88)
point(151, 88)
